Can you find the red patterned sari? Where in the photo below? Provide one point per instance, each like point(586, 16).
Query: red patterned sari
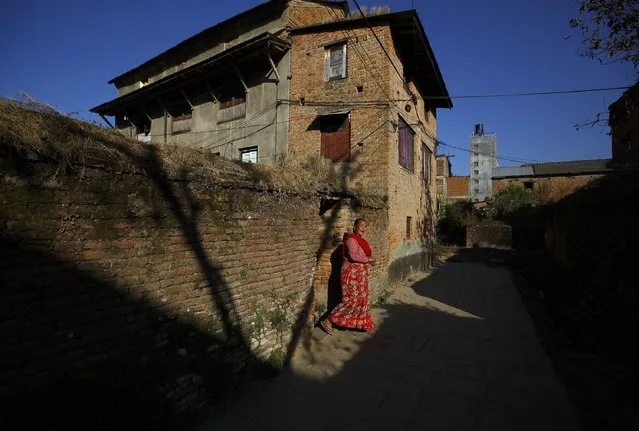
point(354, 310)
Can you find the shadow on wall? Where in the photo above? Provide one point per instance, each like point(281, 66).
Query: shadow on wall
point(94, 354)
point(590, 237)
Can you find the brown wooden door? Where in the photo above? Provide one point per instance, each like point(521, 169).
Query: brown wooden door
point(336, 137)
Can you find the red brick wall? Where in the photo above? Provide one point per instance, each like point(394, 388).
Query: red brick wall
point(374, 168)
point(369, 170)
point(109, 279)
point(547, 189)
point(458, 188)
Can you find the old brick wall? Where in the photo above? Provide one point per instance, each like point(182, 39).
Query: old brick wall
point(590, 237)
point(489, 235)
point(112, 279)
point(547, 189)
point(369, 122)
point(412, 193)
point(301, 13)
point(458, 188)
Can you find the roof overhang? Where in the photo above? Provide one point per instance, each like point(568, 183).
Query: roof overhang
point(259, 12)
point(264, 43)
point(412, 45)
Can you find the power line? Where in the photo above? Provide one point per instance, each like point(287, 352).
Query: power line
point(507, 158)
point(379, 41)
point(537, 93)
point(377, 76)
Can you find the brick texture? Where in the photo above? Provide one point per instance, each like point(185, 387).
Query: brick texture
point(548, 189)
point(373, 167)
point(458, 188)
point(112, 278)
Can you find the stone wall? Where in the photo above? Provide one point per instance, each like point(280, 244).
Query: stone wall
point(138, 297)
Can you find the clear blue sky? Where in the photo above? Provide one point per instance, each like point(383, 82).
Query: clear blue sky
point(64, 52)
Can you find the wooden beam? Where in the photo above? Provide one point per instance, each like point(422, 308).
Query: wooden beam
point(106, 120)
point(239, 75)
point(270, 59)
point(186, 97)
point(208, 87)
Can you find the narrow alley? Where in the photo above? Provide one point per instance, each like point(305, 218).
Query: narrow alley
point(454, 350)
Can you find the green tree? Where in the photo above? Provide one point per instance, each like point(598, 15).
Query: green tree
point(511, 200)
point(610, 30)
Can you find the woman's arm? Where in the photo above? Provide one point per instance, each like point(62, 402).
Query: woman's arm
point(355, 251)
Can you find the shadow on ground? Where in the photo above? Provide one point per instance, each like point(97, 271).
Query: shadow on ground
point(453, 351)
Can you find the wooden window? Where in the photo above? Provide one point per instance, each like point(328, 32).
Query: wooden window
point(406, 138)
point(426, 157)
point(335, 62)
point(335, 137)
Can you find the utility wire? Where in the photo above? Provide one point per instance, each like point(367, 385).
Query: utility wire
point(537, 93)
point(379, 41)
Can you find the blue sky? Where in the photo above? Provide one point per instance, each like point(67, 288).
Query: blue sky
point(64, 52)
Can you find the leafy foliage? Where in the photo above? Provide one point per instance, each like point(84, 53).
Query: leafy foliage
point(610, 30)
point(512, 199)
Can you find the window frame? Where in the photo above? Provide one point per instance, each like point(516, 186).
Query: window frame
point(427, 156)
point(327, 61)
point(248, 150)
point(409, 153)
point(328, 131)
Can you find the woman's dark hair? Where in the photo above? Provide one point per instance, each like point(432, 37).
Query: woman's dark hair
point(358, 221)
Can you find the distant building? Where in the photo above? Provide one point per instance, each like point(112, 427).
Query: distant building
point(483, 159)
point(551, 181)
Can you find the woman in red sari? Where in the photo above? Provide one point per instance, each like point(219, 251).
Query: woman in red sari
point(354, 310)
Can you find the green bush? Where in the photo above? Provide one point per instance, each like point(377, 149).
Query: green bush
point(511, 200)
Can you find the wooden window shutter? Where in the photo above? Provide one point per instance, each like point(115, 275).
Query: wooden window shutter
point(335, 137)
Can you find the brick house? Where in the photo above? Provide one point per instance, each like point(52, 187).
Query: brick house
point(550, 182)
point(357, 98)
point(300, 79)
point(444, 170)
point(221, 89)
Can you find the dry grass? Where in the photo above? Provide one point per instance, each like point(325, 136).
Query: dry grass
point(36, 131)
